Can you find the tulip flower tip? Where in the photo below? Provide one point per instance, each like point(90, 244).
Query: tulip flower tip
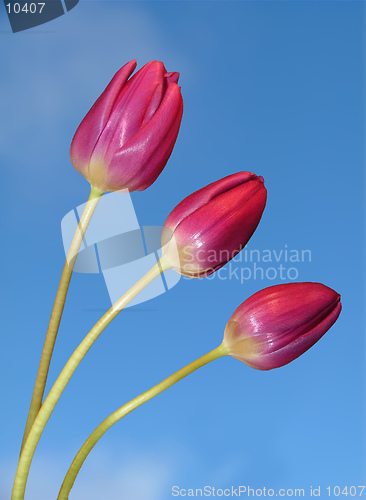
point(278, 324)
point(127, 137)
point(212, 225)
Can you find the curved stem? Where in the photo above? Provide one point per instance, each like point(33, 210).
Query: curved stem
point(127, 408)
point(64, 377)
point(57, 310)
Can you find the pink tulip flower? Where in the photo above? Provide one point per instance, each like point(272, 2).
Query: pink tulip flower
point(278, 324)
point(212, 225)
point(126, 138)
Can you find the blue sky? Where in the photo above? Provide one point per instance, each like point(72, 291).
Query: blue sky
point(276, 88)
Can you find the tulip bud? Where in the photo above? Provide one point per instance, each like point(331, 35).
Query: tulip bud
point(278, 324)
point(212, 225)
point(126, 138)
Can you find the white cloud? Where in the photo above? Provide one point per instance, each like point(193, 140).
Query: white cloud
point(138, 472)
point(142, 476)
point(62, 72)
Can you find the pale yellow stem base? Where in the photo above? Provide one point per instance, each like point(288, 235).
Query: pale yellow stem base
point(64, 377)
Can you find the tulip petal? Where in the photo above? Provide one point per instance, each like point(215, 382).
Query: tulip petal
point(145, 155)
point(92, 126)
point(277, 324)
point(172, 77)
point(141, 95)
point(203, 196)
point(212, 225)
point(221, 228)
point(127, 137)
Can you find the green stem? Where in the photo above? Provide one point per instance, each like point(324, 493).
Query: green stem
point(127, 408)
point(57, 310)
point(64, 377)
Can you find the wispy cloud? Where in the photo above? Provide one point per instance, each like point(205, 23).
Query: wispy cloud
point(66, 72)
point(137, 473)
point(143, 476)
